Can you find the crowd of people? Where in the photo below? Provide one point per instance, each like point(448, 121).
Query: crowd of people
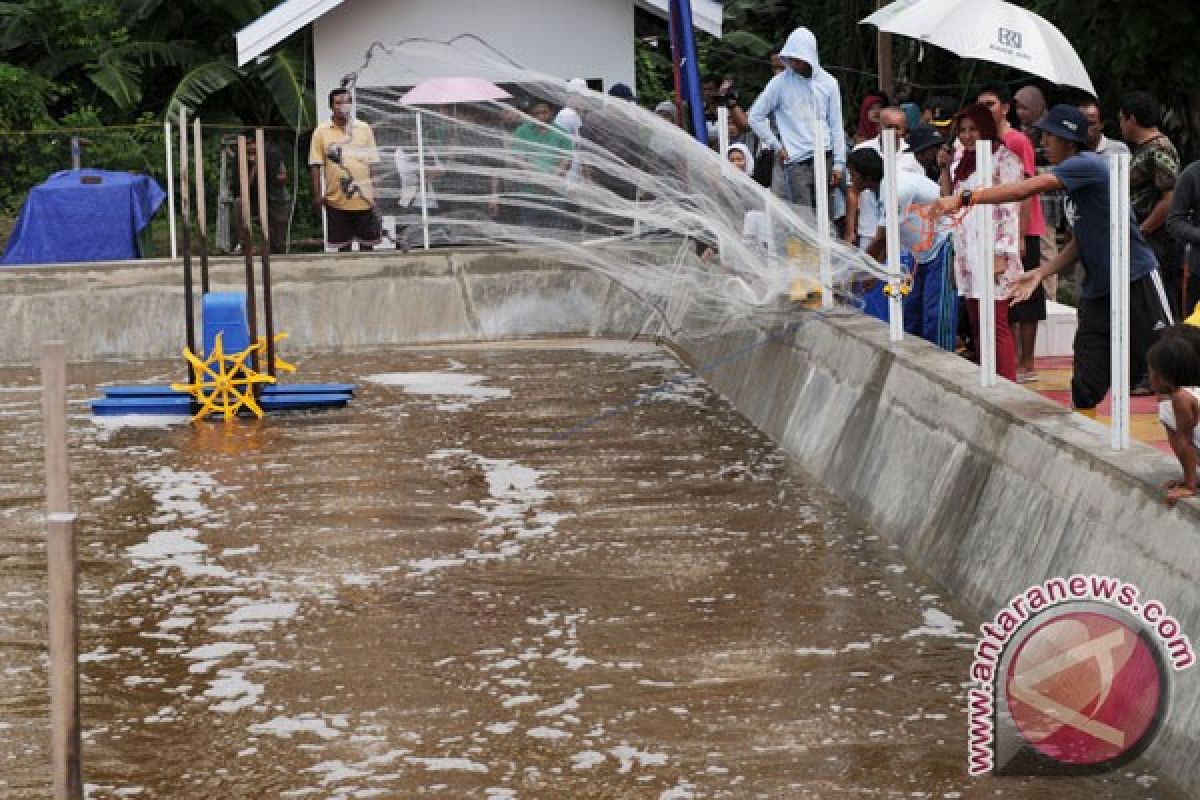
point(1049, 201)
point(1048, 195)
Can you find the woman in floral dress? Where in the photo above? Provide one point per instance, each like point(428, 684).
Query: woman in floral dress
point(975, 123)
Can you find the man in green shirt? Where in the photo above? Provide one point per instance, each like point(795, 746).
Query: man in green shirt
point(541, 155)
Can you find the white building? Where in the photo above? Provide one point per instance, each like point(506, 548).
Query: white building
point(592, 39)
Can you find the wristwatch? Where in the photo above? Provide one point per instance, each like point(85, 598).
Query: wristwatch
point(966, 198)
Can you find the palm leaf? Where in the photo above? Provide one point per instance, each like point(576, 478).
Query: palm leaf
point(282, 77)
point(747, 42)
point(134, 11)
point(120, 80)
point(200, 83)
point(159, 54)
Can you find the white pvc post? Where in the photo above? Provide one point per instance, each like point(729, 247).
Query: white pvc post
point(892, 230)
point(821, 184)
point(723, 130)
point(170, 186)
point(987, 257)
point(1118, 244)
point(421, 174)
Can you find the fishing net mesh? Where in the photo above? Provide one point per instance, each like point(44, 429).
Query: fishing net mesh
point(611, 187)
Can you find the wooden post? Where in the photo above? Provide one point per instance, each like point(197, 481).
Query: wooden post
point(268, 315)
point(887, 80)
point(65, 743)
point(248, 243)
point(201, 216)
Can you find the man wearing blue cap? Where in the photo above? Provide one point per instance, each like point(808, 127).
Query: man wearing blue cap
point(1084, 177)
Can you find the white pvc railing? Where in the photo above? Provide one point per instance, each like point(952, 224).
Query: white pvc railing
point(985, 222)
point(1118, 248)
point(892, 229)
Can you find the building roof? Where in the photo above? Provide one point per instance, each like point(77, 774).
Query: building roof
point(288, 17)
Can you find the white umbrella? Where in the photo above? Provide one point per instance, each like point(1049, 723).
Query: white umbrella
point(988, 30)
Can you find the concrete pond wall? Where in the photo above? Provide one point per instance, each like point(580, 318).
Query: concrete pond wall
point(989, 490)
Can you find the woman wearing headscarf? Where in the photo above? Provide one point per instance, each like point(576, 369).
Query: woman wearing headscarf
point(739, 155)
point(755, 230)
point(868, 118)
point(975, 124)
point(1031, 105)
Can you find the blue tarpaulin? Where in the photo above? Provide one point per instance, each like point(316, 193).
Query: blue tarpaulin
point(66, 219)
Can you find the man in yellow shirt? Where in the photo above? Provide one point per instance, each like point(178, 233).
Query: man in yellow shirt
point(345, 149)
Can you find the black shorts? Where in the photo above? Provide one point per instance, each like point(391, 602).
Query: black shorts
point(1092, 364)
point(346, 226)
point(1033, 309)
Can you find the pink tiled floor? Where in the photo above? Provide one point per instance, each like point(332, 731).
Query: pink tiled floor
point(1054, 382)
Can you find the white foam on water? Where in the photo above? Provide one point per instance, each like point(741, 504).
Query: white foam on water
point(448, 764)
point(512, 508)
point(178, 492)
point(336, 772)
point(542, 732)
point(107, 426)
point(217, 650)
point(502, 728)
point(628, 756)
point(287, 727)
point(234, 691)
point(938, 623)
point(463, 389)
point(586, 759)
point(570, 704)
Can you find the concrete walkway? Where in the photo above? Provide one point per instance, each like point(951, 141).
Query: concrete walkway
point(1054, 383)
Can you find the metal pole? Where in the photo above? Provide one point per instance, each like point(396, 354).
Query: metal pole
point(201, 216)
point(892, 230)
point(248, 244)
point(66, 749)
point(260, 163)
point(821, 189)
point(1119, 222)
point(189, 314)
point(421, 175)
point(170, 186)
point(987, 258)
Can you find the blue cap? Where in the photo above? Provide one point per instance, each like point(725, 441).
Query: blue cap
point(1065, 122)
point(622, 91)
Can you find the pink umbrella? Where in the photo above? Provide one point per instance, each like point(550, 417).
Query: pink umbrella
point(443, 91)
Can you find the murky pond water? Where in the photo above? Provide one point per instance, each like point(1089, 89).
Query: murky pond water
point(564, 570)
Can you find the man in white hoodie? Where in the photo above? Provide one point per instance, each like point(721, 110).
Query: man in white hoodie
point(801, 98)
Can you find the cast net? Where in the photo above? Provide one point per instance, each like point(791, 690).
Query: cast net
point(497, 155)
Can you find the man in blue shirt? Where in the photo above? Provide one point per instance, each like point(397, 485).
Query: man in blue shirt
point(801, 97)
point(1084, 177)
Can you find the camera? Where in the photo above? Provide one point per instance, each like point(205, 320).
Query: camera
point(728, 98)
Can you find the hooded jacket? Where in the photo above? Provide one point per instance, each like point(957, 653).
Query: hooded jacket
point(795, 100)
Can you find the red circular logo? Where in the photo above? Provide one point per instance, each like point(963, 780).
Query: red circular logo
point(1084, 688)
